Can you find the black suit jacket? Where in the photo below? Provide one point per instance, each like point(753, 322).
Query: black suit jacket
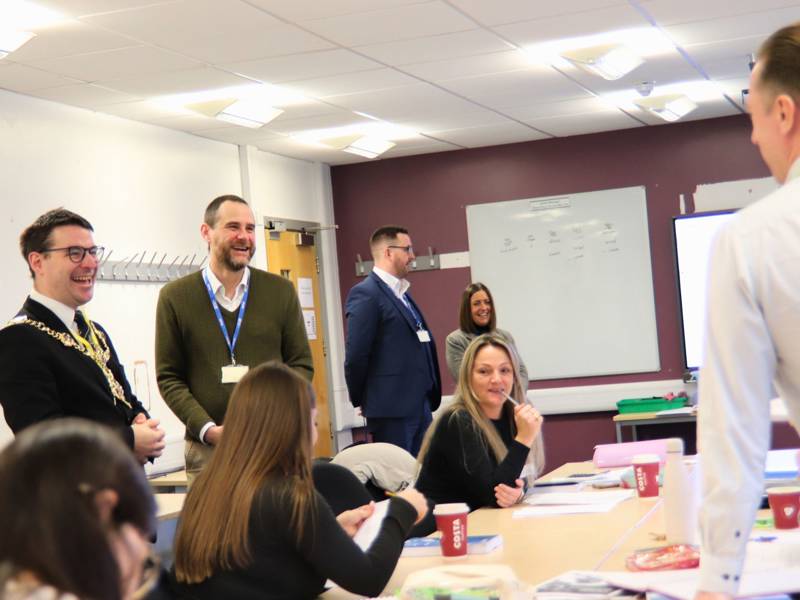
point(40, 378)
point(386, 366)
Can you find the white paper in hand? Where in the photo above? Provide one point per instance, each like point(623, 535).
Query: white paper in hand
point(369, 529)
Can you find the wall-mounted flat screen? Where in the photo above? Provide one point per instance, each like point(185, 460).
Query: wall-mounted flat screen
point(693, 235)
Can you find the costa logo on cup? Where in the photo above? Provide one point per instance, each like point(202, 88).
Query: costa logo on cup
point(457, 539)
point(451, 520)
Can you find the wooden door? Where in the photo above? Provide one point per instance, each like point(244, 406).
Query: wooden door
point(294, 256)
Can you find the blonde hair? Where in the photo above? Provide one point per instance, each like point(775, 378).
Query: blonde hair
point(267, 433)
point(466, 401)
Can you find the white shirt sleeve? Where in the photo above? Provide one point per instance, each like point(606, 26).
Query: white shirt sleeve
point(735, 387)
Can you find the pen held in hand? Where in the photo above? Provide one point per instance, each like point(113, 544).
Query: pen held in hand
point(510, 399)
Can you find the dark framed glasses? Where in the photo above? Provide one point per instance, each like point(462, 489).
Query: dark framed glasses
point(77, 253)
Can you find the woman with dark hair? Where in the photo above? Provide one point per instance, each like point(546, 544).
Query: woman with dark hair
point(76, 513)
point(253, 525)
point(477, 316)
point(481, 446)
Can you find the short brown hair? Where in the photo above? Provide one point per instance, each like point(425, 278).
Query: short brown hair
point(386, 233)
point(465, 312)
point(37, 237)
point(210, 216)
point(780, 58)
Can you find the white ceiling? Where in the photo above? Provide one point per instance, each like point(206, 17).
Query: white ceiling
point(450, 70)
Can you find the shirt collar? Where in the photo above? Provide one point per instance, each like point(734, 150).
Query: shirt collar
point(794, 171)
point(398, 286)
point(65, 313)
point(216, 284)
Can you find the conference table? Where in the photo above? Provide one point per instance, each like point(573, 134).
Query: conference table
point(539, 548)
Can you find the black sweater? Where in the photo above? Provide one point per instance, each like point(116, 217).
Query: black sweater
point(460, 467)
point(283, 569)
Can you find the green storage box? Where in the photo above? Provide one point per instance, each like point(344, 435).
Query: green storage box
point(652, 404)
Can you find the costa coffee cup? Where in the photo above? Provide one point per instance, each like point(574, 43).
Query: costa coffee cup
point(785, 504)
point(451, 521)
point(645, 474)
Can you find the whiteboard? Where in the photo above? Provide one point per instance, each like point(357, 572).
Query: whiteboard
point(571, 280)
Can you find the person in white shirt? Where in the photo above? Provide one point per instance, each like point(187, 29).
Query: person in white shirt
point(753, 325)
point(54, 361)
point(391, 366)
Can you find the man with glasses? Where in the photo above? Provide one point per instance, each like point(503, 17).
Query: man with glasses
point(391, 366)
point(55, 362)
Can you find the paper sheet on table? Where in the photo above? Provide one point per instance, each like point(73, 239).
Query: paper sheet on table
point(561, 509)
point(368, 531)
point(781, 463)
point(584, 498)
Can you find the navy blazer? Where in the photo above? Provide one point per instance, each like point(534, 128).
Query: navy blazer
point(40, 378)
point(386, 367)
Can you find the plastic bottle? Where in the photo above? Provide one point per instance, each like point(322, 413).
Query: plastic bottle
point(680, 497)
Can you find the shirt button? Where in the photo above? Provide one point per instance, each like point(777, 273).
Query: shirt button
point(726, 577)
point(737, 533)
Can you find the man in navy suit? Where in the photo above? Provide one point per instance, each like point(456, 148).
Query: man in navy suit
point(391, 366)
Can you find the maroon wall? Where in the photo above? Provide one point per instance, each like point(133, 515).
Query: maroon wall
point(428, 194)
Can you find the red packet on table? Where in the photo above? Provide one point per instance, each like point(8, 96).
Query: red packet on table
point(666, 558)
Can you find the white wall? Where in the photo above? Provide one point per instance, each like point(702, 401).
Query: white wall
point(143, 188)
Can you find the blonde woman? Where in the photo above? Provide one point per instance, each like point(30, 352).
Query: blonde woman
point(481, 446)
point(253, 525)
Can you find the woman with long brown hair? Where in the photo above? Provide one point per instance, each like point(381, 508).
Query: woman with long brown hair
point(479, 448)
point(253, 525)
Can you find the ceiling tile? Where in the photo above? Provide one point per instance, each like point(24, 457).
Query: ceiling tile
point(237, 135)
point(86, 95)
point(405, 102)
point(303, 11)
point(728, 28)
point(250, 43)
point(661, 70)
point(288, 147)
point(177, 82)
point(190, 123)
point(489, 135)
point(432, 146)
point(443, 70)
point(186, 20)
point(437, 121)
point(309, 108)
point(436, 47)
point(556, 109)
point(612, 18)
point(68, 38)
point(391, 24)
point(350, 83)
point(141, 110)
point(516, 88)
point(342, 118)
point(704, 110)
point(577, 124)
point(299, 67)
point(726, 59)
point(734, 89)
point(21, 78)
point(499, 12)
point(78, 8)
point(116, 64)
point(674, 12)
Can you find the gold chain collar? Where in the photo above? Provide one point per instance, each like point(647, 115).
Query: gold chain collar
point(99, 356)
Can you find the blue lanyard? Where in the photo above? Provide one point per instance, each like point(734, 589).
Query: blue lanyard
point(221, 321)
point(414, 314)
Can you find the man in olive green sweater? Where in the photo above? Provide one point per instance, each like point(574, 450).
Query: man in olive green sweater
point(213, 325)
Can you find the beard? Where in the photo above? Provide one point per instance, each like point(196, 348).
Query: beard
point(225, 256)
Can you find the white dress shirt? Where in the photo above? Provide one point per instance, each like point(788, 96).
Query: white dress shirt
point(398, 286)
point(65, 313)
point(229, 304)
point(752, 349)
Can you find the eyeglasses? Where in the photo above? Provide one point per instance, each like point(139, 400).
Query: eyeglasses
point(409, 249)
point(77, 253)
